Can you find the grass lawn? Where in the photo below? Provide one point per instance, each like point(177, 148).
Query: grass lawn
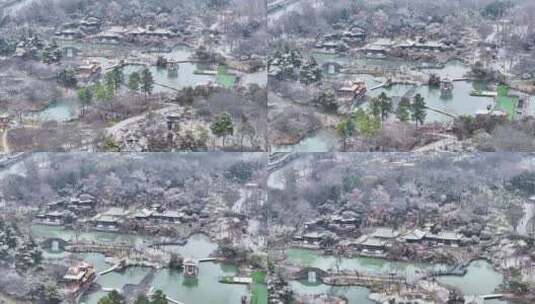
point(507, 104)
point(259, 291)
point(227, 279)
point(224, 78)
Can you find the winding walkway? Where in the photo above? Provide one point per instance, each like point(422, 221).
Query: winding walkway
point(113, 268)
point(118, 127)
point(439, 145)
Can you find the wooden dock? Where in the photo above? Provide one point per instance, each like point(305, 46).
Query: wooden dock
point(119, 265)
point(205, 72)
point(442, 112)
point(382, 85)
point(236, 280)
point(483, 93)
point(212, 259)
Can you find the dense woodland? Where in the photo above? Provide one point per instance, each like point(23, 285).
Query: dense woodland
point(129, 180)
point(398, 184)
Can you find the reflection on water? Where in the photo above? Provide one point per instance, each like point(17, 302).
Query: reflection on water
point(198, 246)
point(378, 266)
point(59, 111)
point(324, 140)
point(186, 77)
point(480, 279)
point(98, 260)
point(206, 289)
point(454, 69)
point(116, 280)
point(459, 103)
point(353, 294)
point(394, 90)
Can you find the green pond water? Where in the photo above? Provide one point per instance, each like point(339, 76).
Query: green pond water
point(323, 140)
point(186, 77)
point(480, 279)
point(188, 73)
point(459, 103)
point(454, 69)
point(312, 258)
point(322, 58)
point(206, 289)
point(353, 294)
point(58, 111)
point(198, 245)
point(369, 63)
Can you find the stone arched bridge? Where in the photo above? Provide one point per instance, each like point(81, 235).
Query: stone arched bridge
point(50, 243)
point(345, 278)
point(303, 273)
point(331, 67)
